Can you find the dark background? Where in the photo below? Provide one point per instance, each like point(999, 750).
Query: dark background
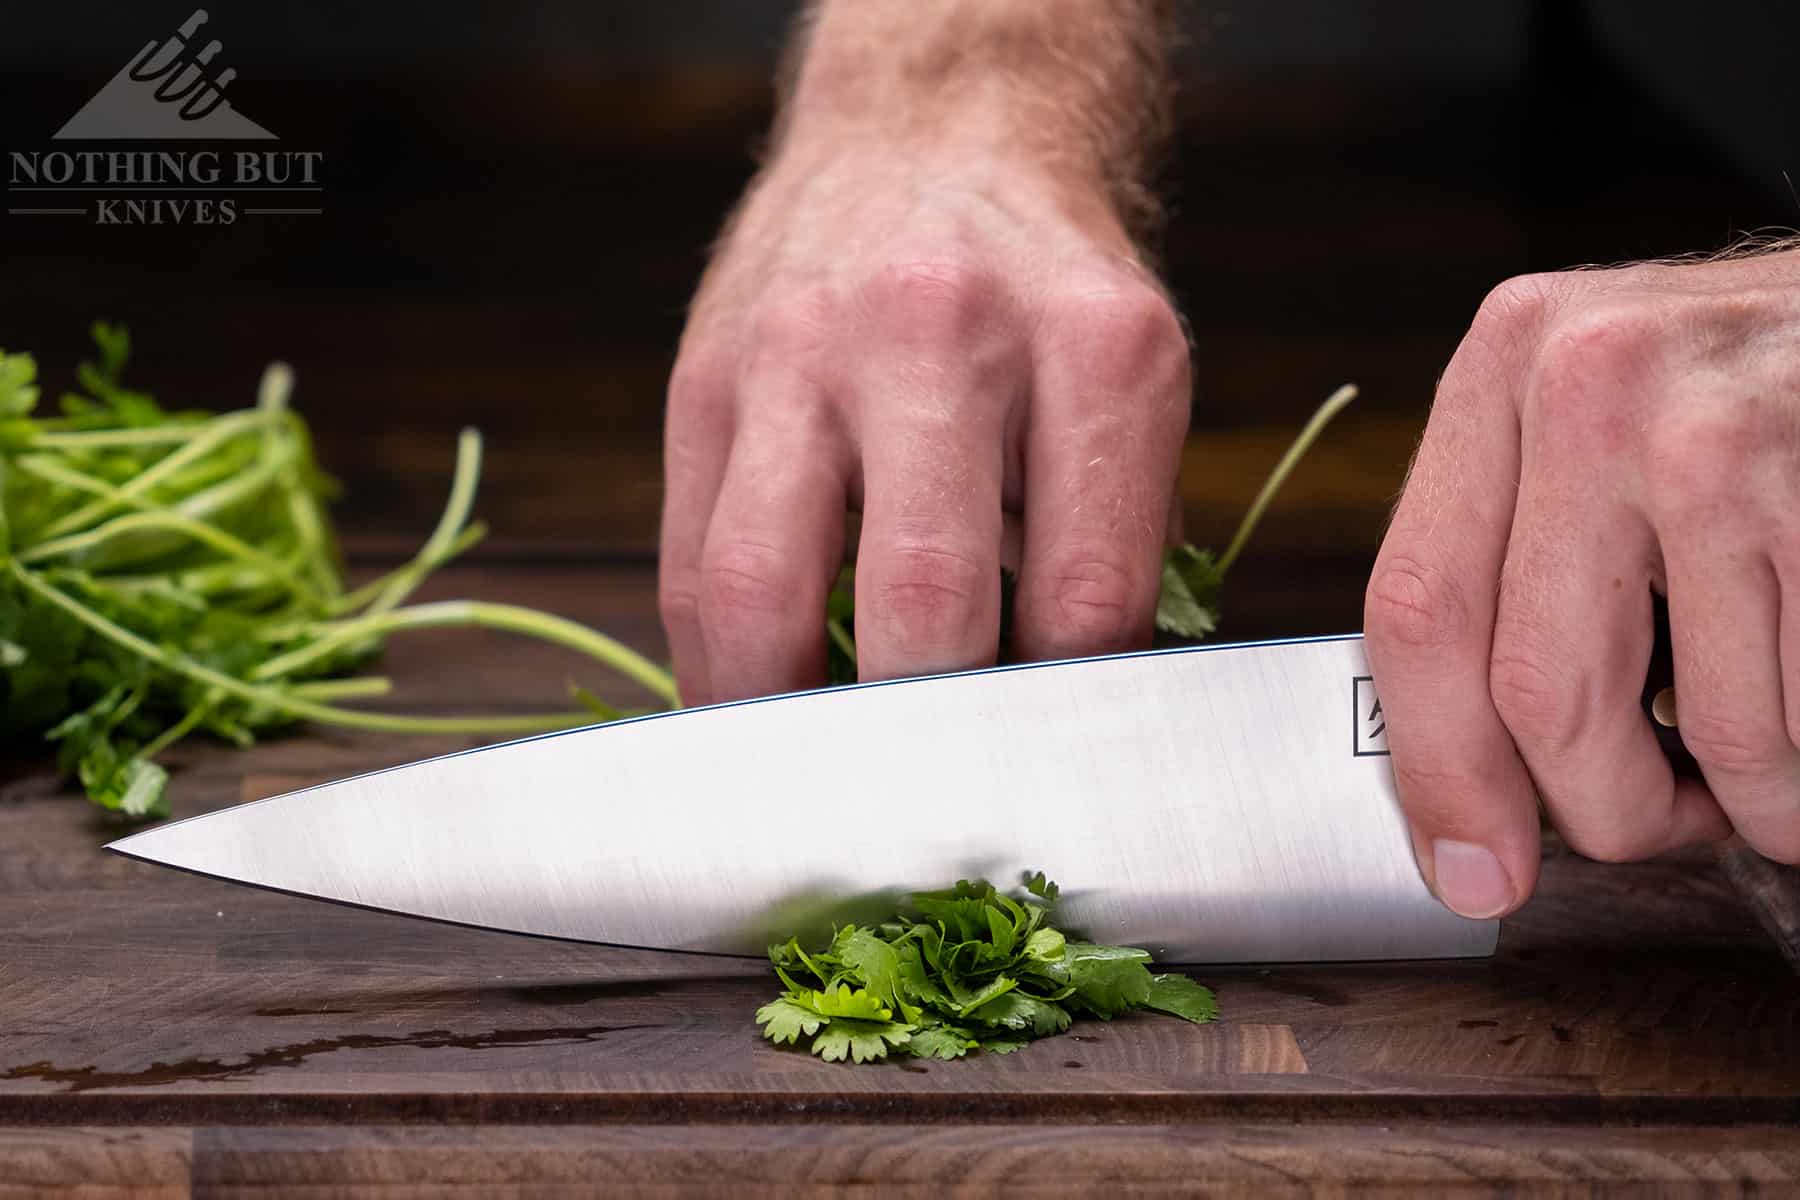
point(518, 199)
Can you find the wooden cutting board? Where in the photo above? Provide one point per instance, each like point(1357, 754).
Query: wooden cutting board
point(160, 1031)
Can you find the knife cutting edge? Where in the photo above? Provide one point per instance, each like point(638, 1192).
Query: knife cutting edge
point(1216, 804)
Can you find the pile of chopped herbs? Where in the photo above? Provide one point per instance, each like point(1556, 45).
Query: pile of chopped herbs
point(165, 572)
point(971, 968)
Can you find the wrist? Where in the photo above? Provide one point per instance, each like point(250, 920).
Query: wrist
point(957, 89)
point(832, 171)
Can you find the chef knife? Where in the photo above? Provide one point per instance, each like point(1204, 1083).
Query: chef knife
point(1211, 804)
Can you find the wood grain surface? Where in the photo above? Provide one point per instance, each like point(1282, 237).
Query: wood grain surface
point(1772, 891)
point(158, 1030)
point(1276, 1159)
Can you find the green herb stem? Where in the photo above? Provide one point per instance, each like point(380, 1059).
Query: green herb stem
point(508, 617)
point(359, 687)
point(197, 507)
point(197, 446)
point(1295, 452)
point(181, 728)
point(242, 485)
point(841, 637)
point(165, 521)
point(352, 601)
point(311, 529)
point(280, 700)
point(439, 545)
point(112, 439)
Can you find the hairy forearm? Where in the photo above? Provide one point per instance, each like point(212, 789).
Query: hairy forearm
point(1079, 87)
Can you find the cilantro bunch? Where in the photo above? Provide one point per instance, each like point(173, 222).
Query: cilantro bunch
point(164, 573)
point(966, 969)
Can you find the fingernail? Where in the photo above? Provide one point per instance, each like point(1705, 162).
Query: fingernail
point(1470, 879)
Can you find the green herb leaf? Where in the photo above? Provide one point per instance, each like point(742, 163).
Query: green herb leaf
point(874, 962)
point(946, 1042)
point(966, 968)
point(132, 786)
point(1046, 945)
point(786, 1020)
point(114, 344)
point(1003, 1045)
point(916, 978)
point(1017, 1010)
point(972, 1003)
point(861, 1041)
point(1182, 997)
point(18, 377)
point(1188, 606)
point(840, 1000)
point(1108, 980)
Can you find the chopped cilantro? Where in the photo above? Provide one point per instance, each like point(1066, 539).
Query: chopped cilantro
point(970, 968)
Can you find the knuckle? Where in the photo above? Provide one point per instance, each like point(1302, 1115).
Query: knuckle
point(1588, 400)
point(1516, 302)
point(1590, 370)
point(1735, 744)
point(1511, 313)
point(1608, 841)
point(932, 299)
point(700, 377)
point(691, 441)
point(1414, 606)
point(1128, 339)
point(1696, 462)
point(1438, 796)
point(678, 600)
point(791, 330)
point(1089, 603)
point(928, 594)
point(1536, 699)
point(742, 581)
point(1602, 341)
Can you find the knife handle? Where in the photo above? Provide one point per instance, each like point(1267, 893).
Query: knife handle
point(1770, 889)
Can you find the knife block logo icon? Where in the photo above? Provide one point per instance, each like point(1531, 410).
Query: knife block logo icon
point(1370, 723)
point(169, 90)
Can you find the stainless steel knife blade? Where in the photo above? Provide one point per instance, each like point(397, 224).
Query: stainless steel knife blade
point(1216, 804)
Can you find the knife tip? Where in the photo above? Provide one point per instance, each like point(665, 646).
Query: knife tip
point(121, 846)
point(135, 845)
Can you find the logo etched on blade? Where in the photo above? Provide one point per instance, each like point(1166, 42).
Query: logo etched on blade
point(1370, 724)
